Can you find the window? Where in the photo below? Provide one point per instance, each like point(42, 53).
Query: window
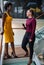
point(20, 7)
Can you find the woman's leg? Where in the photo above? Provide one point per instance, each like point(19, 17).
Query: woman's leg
point(6, 49)
point(13, 49)
point(24, 43)
point(31, 45)
point(31, 52)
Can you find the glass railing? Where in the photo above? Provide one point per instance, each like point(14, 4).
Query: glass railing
point(39, 45)
point(39, 35)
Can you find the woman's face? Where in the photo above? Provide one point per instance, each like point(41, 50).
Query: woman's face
point(28, 13)
point(9, 8)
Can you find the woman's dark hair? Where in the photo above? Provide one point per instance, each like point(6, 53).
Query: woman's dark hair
point(7, 5)
point(32, 12)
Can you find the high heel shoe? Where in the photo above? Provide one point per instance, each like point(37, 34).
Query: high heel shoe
point(14, 55)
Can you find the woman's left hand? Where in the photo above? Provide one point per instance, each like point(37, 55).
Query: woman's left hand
point(30, 40)
point(13, 33)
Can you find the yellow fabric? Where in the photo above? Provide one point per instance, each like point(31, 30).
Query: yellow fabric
point(8, 33)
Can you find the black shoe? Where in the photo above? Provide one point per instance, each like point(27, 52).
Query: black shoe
point(14, 55)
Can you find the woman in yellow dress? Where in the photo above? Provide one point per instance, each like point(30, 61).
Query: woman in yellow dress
point(7, 30)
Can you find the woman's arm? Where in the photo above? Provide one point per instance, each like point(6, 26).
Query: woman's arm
point(24, 26)
point(3, 21)
point(33, 29)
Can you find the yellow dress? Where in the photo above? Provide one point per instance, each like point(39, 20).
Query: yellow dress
point(8, 32)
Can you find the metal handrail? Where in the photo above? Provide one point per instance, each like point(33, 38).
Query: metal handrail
point(39, 16)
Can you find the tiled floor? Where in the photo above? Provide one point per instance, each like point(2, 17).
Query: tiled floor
point(19, 51)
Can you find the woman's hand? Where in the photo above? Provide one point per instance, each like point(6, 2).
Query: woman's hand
point(2, 33)
point(23, 24)
point(30, 40)
point(13, 33)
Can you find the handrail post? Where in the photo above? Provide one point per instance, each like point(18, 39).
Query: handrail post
point(2, 5)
